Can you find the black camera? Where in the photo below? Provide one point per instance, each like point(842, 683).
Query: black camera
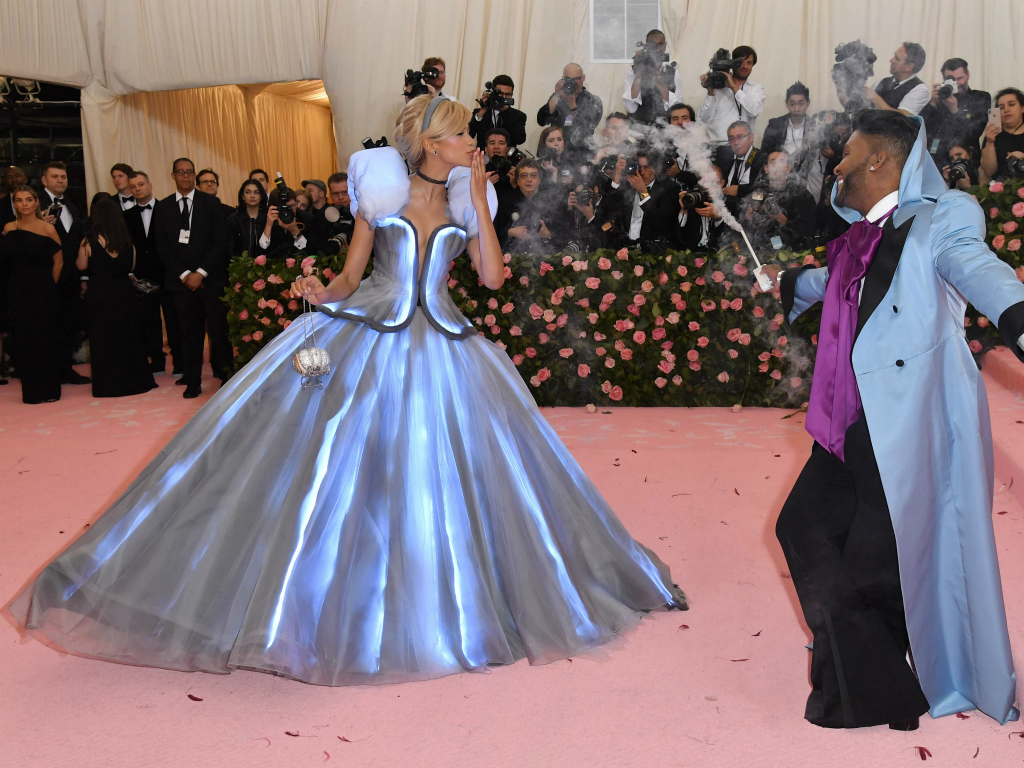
point(1015, 167)
point(948, 88)
point(547, 153)
point(632, 165)
point(854, 65)
point(415, 79)
point(54, 210)
point(961, 169)
point(515, 156)
point(694, 197)
point(369, 143)
point(569, 86)
point(500, 165)
point(494, 99)
point(721, 63)
point(584, 197)
point(280, 197)
point(648, 56)
point(763, 203)
point(565, 176)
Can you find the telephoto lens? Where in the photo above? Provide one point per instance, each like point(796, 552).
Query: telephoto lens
point(695, 197)
point(959, 170)
point(284, 195)
point(947, 88)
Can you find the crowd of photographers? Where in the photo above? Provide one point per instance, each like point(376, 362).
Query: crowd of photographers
point(620, 179)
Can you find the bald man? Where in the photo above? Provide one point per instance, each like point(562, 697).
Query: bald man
point(13, 177)
point(574, 109)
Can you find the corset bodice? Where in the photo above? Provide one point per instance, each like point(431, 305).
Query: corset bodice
point(387, 300)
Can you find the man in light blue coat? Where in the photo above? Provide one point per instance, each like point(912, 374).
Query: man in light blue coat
point(888, 530)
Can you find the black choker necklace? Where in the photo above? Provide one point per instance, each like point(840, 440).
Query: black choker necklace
point(427, 178)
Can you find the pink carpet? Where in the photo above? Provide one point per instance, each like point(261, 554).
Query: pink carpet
point(700, 486)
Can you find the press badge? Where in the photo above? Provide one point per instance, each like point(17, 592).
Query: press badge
point(568, 120)
point(935, 146)
point(777, 243)
point(183, 236)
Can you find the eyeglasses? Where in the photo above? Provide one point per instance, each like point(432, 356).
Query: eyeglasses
point(525, 175)
point(734, 139)
point(181, 172)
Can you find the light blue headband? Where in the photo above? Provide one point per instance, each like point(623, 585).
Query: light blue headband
point(429, 111)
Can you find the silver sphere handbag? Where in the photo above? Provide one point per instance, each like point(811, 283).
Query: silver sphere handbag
point(311, 362)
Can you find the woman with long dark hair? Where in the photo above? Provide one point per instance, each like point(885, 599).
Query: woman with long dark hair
point(33, 252)
point(117, 346)
point(552, 154)
point(246, 224)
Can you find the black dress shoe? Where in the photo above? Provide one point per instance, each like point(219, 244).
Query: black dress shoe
point(74, 377)
point(191, 391)
point(180, 383)
point(905, 725)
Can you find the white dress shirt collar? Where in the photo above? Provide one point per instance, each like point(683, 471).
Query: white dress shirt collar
point(191, 195)
point(882, 207)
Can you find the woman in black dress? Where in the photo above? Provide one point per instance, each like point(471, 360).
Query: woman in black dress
point(246, 224)
point(117, 347)
point(1005, 140)
point(32, 251)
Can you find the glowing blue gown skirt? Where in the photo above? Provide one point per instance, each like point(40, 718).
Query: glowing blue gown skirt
point(414, 518)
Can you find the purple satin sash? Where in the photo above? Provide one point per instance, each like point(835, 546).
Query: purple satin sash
point(835, 400)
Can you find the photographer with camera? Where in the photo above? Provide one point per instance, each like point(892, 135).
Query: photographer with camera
point(742, 162)
point(650, 207)
point(679, 115)
point(429, 79)
point(609, 161)
point(594, 219)
point(501, 165)
point(574, 109)
point(496, 111)
point(960, 170)
point(651, 83)
point(780, 210)
point(285, 227)
point(526, 228)
point(1002, 148)
point(902, 90)
point(340, 221)
point(555, 162)
point(731, 96)
point(956, 111)
point(700, 223)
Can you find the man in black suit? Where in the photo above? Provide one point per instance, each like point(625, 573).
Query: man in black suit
point(741, 162)
point(150, 268)
point(67, 220)
point(650, 210)
point(506, 116)
point(13, 177)
point(120, 174)
point(191, 241)
point(208, 181)
point(789, 132)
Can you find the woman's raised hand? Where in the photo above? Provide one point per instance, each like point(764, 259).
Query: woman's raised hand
point(478, 181)
point(309, 288)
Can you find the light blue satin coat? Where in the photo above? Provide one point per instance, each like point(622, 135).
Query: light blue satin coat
point(929, 425)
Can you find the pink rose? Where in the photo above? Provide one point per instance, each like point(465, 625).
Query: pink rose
point(795, 382)
point(259, 334)
point(506, 273)
point(261, 260)
point(647, 286)
point(995, 186)
point(733, 354)
point(616, 274)
point(997, 242)
point(452, 283)
point(495, 330)
point(673, 317)
point(700, 281)
point(698, 262)
point(599, 336)
point(744, 339)
point(524, 280)
point(243, 314)
point(592, 317)
point(565, 352)
point(584, 303)
point(600, 351)
point(247, 337)
point(556, 299)
point(489, 320)
point(583, 370)
point(1018, 209)
point(638, 270)
point(993, 212)
point(238, 287)
point(517, 360)
point(662, 278)
point(566, 261)
point(1010, 226)
point(733, 334)
point(727, 285)
point(707, 305)
point(677, 380)
point(783, 341)
point(660, 382)
point(723, 377)
point(681, 271)
point(1014, 245)
point(975, 346)
point(543, 374)
point(639, 300)
point(736, 304)
point(272, 303)
point(536, 312)
point(507, 307)
point(622, 254)
point(620, 325)
point(530, 352)
point(1020, 192)
point(725, 304)
point(758, 312)
point(501, 345)
point(616, 393)
point(659, 321)
point(694, 325)
point(289, 262)
point(626, 354)
point(694, 365)
point(639, 337)
point(506, 258)
point(515, 330)
point(492, 303)
point(543, 338)
point(685, 287)
point(275, 280)
point(609, 362)
point(717, 276)
point(606, 386)
point(658, 334)
point(278, 310)
point(544, 268)
point(983, 322)
point(604, 263)
point(1020, 270)
point(328, 274)
point(776, 375)
point(534, 381)
point(702, 341)
point(259, 285)
point(562, 321)
point(665, 366)
point(593, 283)
point(265, 320)
point(740, 270)
point(764, 356)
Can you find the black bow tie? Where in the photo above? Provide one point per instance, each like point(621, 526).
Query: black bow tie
point(145, 207)
point(127, 199)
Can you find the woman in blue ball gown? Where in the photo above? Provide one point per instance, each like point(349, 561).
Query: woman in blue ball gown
point(415, 517)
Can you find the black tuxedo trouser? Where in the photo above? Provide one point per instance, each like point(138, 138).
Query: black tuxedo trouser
point(201, 312)
point(837, 535)
point(153, 330)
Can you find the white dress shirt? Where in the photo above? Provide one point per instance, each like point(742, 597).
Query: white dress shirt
point(65, 214)
point(300, 241)
point(632, 104)
point(147, 214)
point(744, 172)
point(191, 197)
point(125, 202)
point(636, 220)
point(915, 99)
point(794, 136)
point(722, 108)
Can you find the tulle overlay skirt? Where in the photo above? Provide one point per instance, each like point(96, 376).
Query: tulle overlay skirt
point(414, 518)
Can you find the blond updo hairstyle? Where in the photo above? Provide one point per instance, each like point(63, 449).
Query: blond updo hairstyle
point(449, 118)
